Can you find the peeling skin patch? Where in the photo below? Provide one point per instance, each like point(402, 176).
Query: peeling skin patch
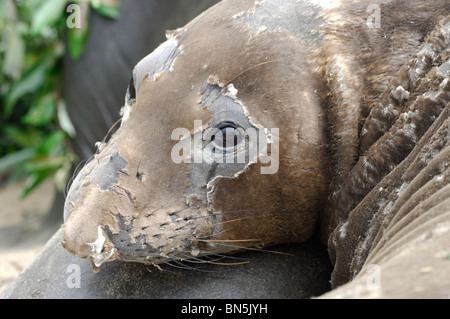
point(290, 15)
point(126, 110)
point(159, 61)
point(99, 253)
point(225, 109)
point(151, 67)
point(106, 173)
point(231, 91)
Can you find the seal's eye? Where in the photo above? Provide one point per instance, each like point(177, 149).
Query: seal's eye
point(228, 137)
point(131, 90)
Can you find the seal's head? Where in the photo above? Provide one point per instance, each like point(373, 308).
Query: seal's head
point(221, 146)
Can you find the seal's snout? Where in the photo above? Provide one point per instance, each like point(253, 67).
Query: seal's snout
point(112, 215)
point(84, 231)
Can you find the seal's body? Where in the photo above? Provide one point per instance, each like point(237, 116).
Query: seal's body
point(237, 129)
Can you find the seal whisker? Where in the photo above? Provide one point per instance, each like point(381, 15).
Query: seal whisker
point(139, 175)
point(225, 240)
point(109, 133)
point(216, 262)
point(186, 267)
point(251, 248)
point(213, 261)
point(181, 266)
point(224, 256)
point(82, 163)
point(162, 270)
point(232, 211)
point(208, 259)
point(194, 237)
point(212, 254)
point(86, 161)
point(232, 220)
point(251, 68)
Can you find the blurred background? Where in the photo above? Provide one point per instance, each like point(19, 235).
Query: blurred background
point(64, 70)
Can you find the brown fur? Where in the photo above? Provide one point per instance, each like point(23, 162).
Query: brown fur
point(374, 57)
point(393, 129)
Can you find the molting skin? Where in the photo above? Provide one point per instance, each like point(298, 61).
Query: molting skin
point(133, 202)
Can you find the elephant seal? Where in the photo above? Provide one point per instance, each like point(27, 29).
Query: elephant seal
point(354, 113)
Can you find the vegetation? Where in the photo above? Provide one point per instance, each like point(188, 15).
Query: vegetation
point(35, 129)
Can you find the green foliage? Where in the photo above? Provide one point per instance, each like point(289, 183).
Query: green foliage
point(35, 130)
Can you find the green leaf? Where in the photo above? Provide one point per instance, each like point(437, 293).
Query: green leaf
point(52, 144)
point(8, 162)
point(64, 120)
point(29, 82)
point(62, 175)
point(34, 181)
point(47, 14)
point(76, 40)
point(42, 112)
point(15, 52)
point(44, 163)
point(109, 11)
point(22, 137)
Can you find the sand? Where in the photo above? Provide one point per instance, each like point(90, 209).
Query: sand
point(22, 229)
